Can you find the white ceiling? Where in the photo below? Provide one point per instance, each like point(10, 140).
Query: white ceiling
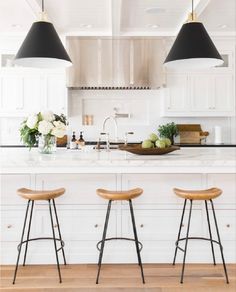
point(118, 17)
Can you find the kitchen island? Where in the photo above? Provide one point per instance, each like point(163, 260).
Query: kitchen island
point(82, 212)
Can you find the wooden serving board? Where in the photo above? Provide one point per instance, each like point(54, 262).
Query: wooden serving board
point(137, 149)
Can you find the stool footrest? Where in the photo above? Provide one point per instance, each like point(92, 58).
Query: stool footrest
point(198, 238)
point(119, 238)
point(42, 238)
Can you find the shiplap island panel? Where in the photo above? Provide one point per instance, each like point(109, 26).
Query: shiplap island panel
point(82, 212)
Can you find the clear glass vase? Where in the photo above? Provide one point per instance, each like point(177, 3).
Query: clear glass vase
point(47, 144)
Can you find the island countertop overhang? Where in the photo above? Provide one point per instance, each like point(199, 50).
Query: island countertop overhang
point(185, 160)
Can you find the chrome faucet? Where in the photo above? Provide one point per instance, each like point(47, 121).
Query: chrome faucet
point(126, 137)
point(107, 140)
point(115, 124)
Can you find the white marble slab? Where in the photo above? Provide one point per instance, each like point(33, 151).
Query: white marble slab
point(185, 160)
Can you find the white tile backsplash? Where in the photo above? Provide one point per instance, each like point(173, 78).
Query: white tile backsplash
point(144, 107)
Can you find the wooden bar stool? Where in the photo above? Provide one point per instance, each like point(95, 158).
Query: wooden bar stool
point(205, 195)
point(119, 196)
point(32, 196)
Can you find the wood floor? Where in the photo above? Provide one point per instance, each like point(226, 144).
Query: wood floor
point(118, 278)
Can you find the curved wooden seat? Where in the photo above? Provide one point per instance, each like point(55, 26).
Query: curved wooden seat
point(40, 195)
point(119, 195)
point(198, 194)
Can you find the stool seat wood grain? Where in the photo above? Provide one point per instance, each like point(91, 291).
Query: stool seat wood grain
point(198, 194)
point(119, 195)
point(40, 195)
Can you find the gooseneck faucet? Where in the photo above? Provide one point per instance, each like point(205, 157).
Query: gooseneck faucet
point(115, 126)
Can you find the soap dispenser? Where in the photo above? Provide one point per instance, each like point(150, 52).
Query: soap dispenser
point(73, 144)
point(81, 141)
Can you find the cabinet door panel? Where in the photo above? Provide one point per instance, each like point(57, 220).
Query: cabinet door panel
point(160, 224)
point(227, 183)
point(177, 93)
point(158, 188)
point(56, 93)
point(32, 94)
point(12, 93)
point(201, 87)
point(223, 93)
point(79, 224)
point(9, 185)
point(80, 188)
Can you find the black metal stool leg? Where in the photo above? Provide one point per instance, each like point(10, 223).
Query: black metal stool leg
point(103, 239)
point(186, 242)
point(136, 239)
point(221, 248)
point(54, 239)
point(180, 227)
point(22, 237)
point(59, 231)
point(209, 228)
point(28, 233)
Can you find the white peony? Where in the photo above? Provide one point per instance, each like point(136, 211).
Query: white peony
point(32, 121)
point(59, 129)
point(48, 116)
point(45, 127)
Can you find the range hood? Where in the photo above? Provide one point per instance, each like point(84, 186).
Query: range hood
point(116, 63)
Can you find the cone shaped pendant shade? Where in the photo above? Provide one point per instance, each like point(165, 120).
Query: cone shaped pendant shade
point(42, 48)
point(193, 48)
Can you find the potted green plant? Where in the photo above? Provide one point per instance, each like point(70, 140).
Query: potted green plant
point(169, 131)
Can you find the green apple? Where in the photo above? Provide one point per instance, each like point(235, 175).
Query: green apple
point(160, 144)
point(147, 144)
point(153, 137)
point(167, 142)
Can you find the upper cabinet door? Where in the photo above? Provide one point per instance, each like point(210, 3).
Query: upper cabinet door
point(32, 93)
point(11, 95)
point(201, 91)
point(176, 94)
point(56, 93)
point(223, 87)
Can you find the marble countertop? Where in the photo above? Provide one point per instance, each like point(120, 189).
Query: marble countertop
point(185, 160)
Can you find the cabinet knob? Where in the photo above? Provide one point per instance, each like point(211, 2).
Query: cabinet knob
point(141, 225)
point(228, 225)
point(96, 226)
point(9, 226)
point(55, 225)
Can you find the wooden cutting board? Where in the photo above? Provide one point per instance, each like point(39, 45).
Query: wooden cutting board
point(191, 133)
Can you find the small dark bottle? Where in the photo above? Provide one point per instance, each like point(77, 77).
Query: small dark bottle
point(81, 141)
point(73, 144)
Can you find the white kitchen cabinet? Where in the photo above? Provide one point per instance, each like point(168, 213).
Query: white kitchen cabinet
point(80, 188)
point(223, 88)
point(23, 92)
point(55, 93)
point(176, 95)
point(198, 94)
point(11, 94)
point(82, 213)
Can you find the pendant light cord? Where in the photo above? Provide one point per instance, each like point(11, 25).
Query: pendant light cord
point(42, 5)
point(192, 10)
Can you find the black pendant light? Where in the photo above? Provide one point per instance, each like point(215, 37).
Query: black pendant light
point(42, 47)
point(193, 48)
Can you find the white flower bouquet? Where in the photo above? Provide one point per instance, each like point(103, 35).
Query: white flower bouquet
point(44, 125)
